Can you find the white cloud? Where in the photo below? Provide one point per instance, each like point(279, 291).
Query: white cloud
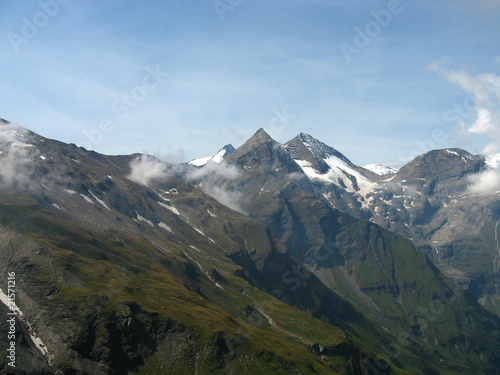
point(230, 198)
point(485, 91)
point(487, 182)
point(16, 152)
point(213, 179)
point(214, 171)
point(484, 123)
point(146, 168)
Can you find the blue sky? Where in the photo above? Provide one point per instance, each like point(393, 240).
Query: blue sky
point(81, 72)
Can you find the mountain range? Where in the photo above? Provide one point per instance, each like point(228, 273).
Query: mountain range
point(428, 201)
point(268, 259)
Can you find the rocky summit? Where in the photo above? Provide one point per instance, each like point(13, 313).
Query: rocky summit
point(268, 259)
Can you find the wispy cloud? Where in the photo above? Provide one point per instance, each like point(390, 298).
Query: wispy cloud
point(487, 182)
point(215, 180)
point(16, 153)
point(145, 169)
point(484, 89)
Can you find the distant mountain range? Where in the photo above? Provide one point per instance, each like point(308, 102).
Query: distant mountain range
point(268, 259)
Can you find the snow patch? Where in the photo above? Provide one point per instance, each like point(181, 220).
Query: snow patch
point(171, 208)
point(140, 218)
point(220, 156)
point(199, 231)
point(87, 198)
point(303, 163)
point(101, 202)
point(342, 175)
point(160, 194)
point(165, 226)
point(200, 162)
point(18, 144)
point(380, 169)
point(203, 234)
point(217, 158)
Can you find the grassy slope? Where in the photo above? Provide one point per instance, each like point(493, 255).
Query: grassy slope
point(108, 271)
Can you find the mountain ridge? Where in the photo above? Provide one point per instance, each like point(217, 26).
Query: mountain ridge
point(128, 221)
point(118, 275)
point(292, 214)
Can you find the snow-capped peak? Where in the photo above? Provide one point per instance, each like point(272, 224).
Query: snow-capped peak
point(321, 150)
point(380, 169)
point(223, 153)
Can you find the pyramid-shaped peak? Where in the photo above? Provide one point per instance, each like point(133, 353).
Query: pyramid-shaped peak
point(260, 146)
point(260, 137)
point(306, 147)
point(305, 136)
point(315, 146)
point(261, 134)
